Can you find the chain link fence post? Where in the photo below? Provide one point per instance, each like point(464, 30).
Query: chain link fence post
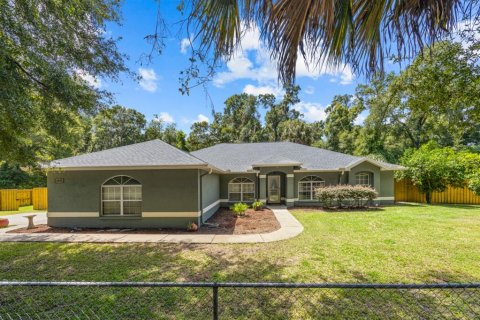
point(215, 301)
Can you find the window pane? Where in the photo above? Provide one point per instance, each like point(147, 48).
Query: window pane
point(304, 187)
point(317, 185)
point(111, 193)
point(304, 195)
point(132, 193)
point(132, 207)
point(248, 187)
point(111, 207)
point(234, 187)
point(234, 196)
point(362, 179)
point(248, 196)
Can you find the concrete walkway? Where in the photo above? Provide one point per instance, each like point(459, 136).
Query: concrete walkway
point(289, 228)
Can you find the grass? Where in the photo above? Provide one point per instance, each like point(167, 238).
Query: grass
point(407, 244)
point(20, 210)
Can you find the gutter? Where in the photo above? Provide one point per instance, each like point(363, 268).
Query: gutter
point(201, 194)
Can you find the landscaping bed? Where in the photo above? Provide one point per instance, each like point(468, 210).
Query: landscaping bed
point(224, 221)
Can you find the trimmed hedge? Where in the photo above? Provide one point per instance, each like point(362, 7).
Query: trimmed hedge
point(345, 196)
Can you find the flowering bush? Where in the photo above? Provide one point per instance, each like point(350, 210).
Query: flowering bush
point(345, 195)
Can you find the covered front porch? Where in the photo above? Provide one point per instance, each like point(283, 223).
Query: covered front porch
point(276, 185)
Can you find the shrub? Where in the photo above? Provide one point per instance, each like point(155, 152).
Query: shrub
point(474, 182)
point(257, 205)
point(239, 208)
point(345, 195)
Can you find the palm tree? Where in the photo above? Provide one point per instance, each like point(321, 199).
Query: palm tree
point(361, 33)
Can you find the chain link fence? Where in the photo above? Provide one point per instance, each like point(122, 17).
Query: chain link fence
point(167, 300)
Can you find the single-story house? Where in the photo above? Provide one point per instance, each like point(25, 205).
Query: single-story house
point(153, 184)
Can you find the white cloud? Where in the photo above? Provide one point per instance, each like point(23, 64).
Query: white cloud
point(309, 90)
point(252, 62)
point(148, 80)
point(92, 81)
point(342, 74)
point(467, 28)
point(165, 117)
point(360, 118)
point(311, 111)
point(267, 89)
point(184, 45)
point(202, 118)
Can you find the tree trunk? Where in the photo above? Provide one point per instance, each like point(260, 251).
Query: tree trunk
point(428, 197)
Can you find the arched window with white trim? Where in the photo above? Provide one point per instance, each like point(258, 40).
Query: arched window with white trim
point(307, 186)
point(121, 196)
point(363, 179)
point(241, 189)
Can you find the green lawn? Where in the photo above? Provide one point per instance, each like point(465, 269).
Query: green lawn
point(409, 244)
point(25, 209)
point(394, 244)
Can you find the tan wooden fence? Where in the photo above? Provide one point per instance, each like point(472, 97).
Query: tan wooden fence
point(405, 191)
point(12, 199)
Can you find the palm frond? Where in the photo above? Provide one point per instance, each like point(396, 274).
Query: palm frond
point(361, 33)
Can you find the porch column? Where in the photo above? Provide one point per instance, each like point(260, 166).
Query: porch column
point(262, 194)
point(290, 190)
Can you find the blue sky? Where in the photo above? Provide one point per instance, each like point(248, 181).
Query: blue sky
point(250, 71)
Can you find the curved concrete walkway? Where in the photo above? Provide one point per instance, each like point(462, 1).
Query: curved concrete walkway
point(289, 228)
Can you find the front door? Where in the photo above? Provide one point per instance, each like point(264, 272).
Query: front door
point(273, 189)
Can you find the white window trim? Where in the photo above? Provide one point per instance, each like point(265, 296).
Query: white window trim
point(310, 187)
point(241, 188)
point(120, 200)
point(368, 184)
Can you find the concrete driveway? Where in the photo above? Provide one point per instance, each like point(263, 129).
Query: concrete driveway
point(19, 221)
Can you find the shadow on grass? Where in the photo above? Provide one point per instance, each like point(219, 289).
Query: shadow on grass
point(185, 262)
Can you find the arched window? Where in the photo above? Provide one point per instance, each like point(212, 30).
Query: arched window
point(121, 196)
point(363, 179)
point(241, 189)
point(307, 186)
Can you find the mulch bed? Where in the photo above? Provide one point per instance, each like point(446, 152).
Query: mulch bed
point(261, 221)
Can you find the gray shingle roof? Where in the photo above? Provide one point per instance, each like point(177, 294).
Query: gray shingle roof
point(150, 153)
point(239, 157)
point(234, 157)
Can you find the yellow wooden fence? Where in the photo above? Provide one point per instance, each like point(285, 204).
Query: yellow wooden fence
point(12, 199)
point(40, 198)
point(405, 191)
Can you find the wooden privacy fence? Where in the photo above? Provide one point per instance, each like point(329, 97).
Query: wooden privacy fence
point(12, 199)
point(405, 191)
point(40, 198)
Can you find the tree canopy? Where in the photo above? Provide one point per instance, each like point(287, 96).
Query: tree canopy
point(47, 49)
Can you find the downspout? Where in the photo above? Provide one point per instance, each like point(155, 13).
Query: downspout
point(340, 175)
point(201, 194)
point(257, 187)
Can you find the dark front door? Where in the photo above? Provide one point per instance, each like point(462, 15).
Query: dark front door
point(273, 189)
